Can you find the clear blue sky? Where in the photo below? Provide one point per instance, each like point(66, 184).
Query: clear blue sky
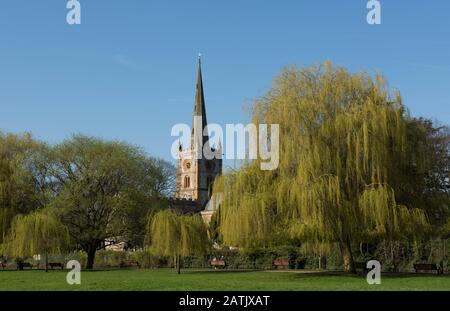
point(128, 71)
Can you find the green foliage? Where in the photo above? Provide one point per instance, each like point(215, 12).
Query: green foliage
point(108, 189)
point(20, 190)
point(345, 165)
point(394, 222)
point(193, 236)
point(247, 214)
point(36, 233)
point(214, 228)
point(446, 230)
point(165, 233)
point(109, 259)
point(98, 189)
point(113, 259)
point(173, 235)
point(354, 167)
point(147, 259)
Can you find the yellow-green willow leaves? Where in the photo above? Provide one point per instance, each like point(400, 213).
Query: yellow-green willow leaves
point(194, 236)
point(165, 233)
point(343, 156)
point(173, 235)
point(36, 233)
point(247, 216)
point(6, 216)
point(383, 217)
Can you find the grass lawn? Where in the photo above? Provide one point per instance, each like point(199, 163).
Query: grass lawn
point(167, 280)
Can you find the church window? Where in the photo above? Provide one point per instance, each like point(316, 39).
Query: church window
point(187, 182)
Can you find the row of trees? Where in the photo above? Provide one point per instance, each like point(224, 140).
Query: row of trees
point(354, 167)
point(76, 194)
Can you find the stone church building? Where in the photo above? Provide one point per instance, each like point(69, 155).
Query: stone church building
point(196, 171)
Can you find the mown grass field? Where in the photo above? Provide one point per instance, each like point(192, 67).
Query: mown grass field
point(168, 280)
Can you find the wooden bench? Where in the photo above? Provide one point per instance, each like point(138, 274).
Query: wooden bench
point(280, 263)
point(427, 267)
point(129, 264)
point(55, 265)
point(217, 263)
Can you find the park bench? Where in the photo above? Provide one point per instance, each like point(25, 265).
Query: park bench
point(280, 263)
point(129, 264)
point(217, 263)
point(427, 267)
point(55, 265)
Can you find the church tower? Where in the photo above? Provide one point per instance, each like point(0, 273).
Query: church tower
point(196, 168)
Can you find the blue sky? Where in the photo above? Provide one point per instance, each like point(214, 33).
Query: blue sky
point(128, 71)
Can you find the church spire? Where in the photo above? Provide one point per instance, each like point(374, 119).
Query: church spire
point(198, 139)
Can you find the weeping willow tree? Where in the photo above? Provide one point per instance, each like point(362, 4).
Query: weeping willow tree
point(18, 191)
point(178, 236)
point(345, 156)
point(37, 233)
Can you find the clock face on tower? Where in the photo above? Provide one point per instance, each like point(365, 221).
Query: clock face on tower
point(187, 165)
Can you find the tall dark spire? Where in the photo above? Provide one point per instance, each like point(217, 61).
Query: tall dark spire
point(199, 108)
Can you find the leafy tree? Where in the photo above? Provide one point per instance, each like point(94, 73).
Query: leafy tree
point(345, 166)
point(19, 192)
point(214, 228)
point(433, 193)
point(438, 155)
point(39, 232)
point(103, 186)
point(173, 235)
point(141, 205)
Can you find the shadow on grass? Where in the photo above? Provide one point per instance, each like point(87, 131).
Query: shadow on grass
point(319, 274)
point(199, 271)
point(296, 274)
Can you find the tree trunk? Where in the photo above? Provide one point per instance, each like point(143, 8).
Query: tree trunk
point(46, 262)
point(178, 264)
point(346, 251)
point(90, 257)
